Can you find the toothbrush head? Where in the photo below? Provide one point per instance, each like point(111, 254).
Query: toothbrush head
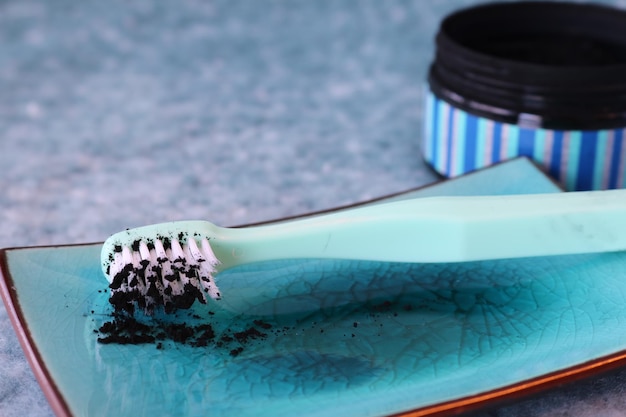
point(159, 266)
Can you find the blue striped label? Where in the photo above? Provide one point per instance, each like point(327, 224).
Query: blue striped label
point(456, 142)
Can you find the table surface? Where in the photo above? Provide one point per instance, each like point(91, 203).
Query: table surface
point(119, 114)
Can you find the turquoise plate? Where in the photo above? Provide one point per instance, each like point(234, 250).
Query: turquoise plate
point(329, 337)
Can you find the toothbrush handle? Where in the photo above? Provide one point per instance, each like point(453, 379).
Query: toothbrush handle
point(442, 229)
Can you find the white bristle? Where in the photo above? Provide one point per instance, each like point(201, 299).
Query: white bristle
point(116, 265)
point(144, 251)
point(163, 259)
point(177, 250)
point(139, 271)
point(159, 249)
point(194, 252)
point(151, 274)
point(208, 252)
point(206, 261)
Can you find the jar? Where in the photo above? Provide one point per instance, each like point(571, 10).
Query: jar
point(543, 80)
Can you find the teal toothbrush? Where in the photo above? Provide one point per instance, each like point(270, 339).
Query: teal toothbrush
point(173, 264)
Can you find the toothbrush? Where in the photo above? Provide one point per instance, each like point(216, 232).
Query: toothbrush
point(173, 264)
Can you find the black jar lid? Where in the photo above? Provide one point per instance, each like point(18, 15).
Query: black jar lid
point(539, 64)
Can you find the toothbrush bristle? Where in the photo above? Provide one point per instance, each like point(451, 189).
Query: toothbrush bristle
point(162, 272)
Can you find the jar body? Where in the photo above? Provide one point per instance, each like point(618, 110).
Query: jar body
point(543, 80)
point(457, 142)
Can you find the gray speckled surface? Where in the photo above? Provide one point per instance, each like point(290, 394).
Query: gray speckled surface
point(114, 115)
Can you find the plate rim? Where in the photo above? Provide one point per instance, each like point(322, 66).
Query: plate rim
point(43, 376)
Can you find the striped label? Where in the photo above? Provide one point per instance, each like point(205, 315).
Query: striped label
point(456, 142)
